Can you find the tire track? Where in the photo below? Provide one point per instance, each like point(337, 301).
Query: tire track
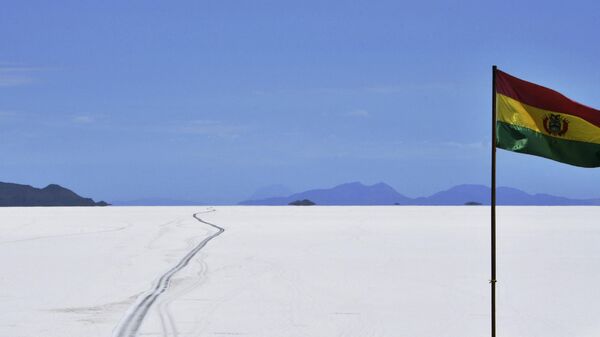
point(64, 235)
point(169, 328)
point(130, 324)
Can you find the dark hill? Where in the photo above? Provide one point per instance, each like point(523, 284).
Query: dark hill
point(304, 202)
point(51, 195)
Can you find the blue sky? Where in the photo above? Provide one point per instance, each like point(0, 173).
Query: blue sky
point(211, 100)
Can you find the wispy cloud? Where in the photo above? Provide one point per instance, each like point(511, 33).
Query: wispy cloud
point(84, 119)
point(12, 75)
point(358, 113)
point(467, 146)
point(408, 87)
point(7, 116)
point(14, 81)
point(381, 89)
point(212, 128)
point(7, 113)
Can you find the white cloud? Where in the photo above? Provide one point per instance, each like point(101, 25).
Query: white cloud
point(382, 89)
point(409, 87)
point(212, 128)
point(7, 113)
point(358, 113)
point(14, 81)
point(467, 146)
point(12, 75)
point(84, 119)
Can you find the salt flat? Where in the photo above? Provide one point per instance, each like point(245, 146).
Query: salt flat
point(299, 271)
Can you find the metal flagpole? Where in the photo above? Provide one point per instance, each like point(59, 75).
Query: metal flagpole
point(493, 203)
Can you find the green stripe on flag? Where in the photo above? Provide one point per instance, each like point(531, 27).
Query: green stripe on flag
point(523, 140)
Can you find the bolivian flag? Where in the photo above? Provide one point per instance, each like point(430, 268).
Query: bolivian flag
point(539, 121)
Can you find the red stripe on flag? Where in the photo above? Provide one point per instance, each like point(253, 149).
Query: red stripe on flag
point(543, 98)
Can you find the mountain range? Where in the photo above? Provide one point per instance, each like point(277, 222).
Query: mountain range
point(357, 193)
point(51, 195)
point(156, 202)
point(354, 193)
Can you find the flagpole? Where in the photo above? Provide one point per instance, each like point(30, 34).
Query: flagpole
point(493, 204)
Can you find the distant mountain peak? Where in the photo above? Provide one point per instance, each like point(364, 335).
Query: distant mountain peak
point(353, 193)
point(350, 184)
point(382, 185)
point(53, 187)
point(358, 184)
point(57, 188)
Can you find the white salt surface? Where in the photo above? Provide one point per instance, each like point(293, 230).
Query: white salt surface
point(300, 271)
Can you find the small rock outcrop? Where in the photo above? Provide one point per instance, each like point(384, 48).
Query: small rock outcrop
point(304, 202)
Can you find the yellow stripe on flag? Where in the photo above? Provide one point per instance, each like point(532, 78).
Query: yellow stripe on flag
point(566, 126)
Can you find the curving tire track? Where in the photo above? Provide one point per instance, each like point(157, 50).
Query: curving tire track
point(130, 324)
